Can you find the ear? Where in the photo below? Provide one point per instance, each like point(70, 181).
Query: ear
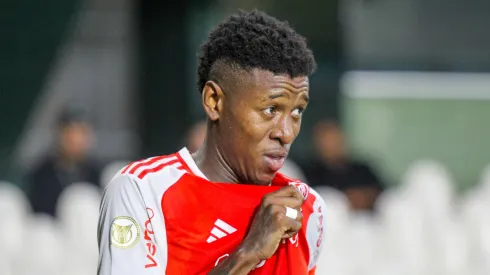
point(212, 100)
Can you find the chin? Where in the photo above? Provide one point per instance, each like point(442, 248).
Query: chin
point(264, 179)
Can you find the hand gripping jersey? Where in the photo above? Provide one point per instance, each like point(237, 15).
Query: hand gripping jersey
point(162, 216)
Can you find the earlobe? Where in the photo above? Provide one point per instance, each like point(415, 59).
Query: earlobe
point(212, 99)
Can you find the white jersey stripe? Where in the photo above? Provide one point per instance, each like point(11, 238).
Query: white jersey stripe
point(226, 227)
point(211, 239)
point(218, 233)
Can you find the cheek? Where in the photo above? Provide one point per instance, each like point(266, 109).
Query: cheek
point(256, 128)
point(296, 127)
point(245, 127)
point(245, 135)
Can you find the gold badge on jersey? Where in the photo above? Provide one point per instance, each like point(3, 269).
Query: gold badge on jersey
point(125, 232)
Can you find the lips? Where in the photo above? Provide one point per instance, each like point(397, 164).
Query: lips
point(275, 159)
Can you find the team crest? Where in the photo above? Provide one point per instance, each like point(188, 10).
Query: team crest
point(303, 188)
point(125, 232)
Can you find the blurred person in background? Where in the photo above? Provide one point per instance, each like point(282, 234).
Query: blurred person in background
point(336, 169)
point(225, 209)
point(66, 164)
point(195, 136)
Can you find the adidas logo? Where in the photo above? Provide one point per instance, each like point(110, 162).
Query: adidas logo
point(220, 230)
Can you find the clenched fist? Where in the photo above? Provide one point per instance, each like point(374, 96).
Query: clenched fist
point(271, 225)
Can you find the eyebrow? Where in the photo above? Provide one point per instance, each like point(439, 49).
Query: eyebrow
point(278, 95)
point(307, 98)
point(274, 96)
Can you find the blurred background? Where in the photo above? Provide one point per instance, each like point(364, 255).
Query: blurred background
point(396, 138)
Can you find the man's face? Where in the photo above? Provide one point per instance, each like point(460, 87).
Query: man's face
point(329, 141)
point(75, 140)
point(259, 121)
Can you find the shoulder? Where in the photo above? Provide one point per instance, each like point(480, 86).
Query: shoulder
point(40, 174)
point(317, 202)
point(359, 164)
point(42, 165)
point(148, 177)
point(315, 232)
point(165, 167)
point(316, 205)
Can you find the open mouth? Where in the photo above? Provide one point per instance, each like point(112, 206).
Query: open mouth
point(275, 160)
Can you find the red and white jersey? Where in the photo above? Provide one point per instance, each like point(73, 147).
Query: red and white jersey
point(162, 216)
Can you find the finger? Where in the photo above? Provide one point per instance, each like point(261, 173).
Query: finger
point(291, 202)
point(291, 227)
point(289, 234)
point(291, 213)
point(294, 214)
point(281, 213)
point(288, 191)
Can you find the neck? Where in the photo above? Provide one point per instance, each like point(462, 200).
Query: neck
point(66, 162)
point(212, 163)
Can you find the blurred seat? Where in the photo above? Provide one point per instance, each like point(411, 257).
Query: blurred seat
point(475, 214)
point(6, 264)
point(78, 211)
point(14, 211)
point(42, 248)
point(429, 184)
point(110, 171)
point(364, 248)
point(403, 231)
point(451, 252)
point(331, 262)
point(428, 224)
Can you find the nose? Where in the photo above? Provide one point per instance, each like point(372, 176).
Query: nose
point(284, 130)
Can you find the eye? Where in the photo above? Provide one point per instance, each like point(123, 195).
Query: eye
point(270, 110)
point(298, 112)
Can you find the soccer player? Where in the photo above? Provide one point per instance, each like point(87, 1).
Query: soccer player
point(225, 209)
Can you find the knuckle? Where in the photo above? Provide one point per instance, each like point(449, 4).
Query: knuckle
point(292, 187)
point(300, 195)
point(297, 192)
point(269, 209)
point(300, 216)
point(266, 200)
point(298, 226)
point(299, 201)
point(276, 209)
point(279, 216)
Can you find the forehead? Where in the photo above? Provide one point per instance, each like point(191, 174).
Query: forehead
point(260, 82)
point(76, 125)
point(265, 79)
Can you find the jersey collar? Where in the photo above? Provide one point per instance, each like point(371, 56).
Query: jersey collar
point(279, 179)
point(187, 158)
